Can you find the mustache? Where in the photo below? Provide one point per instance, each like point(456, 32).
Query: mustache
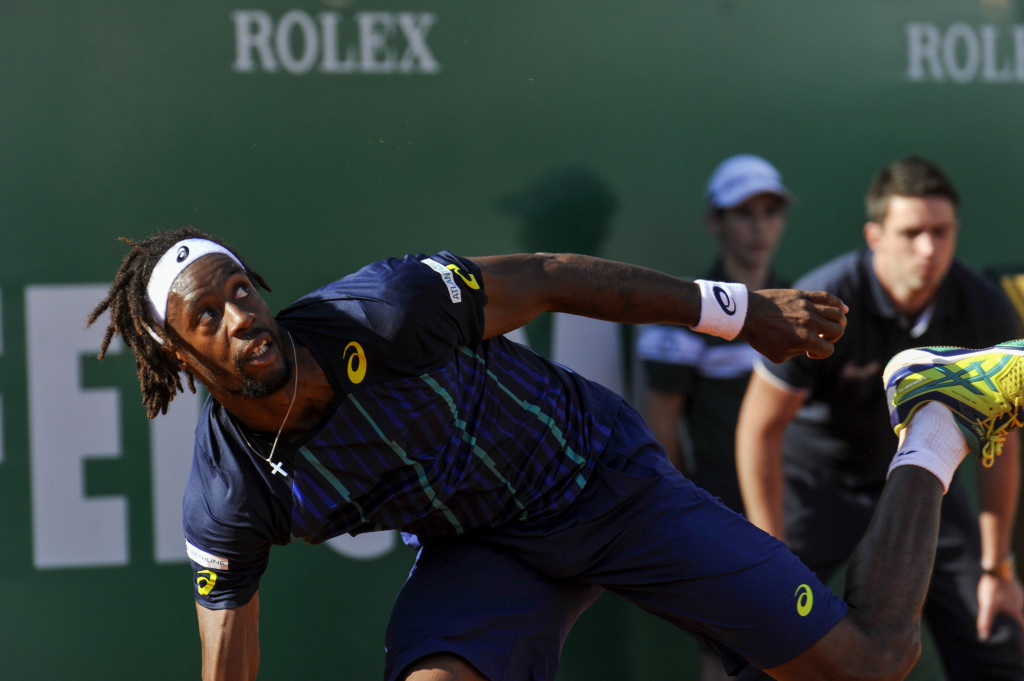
point(253, 331)
point(251, 334)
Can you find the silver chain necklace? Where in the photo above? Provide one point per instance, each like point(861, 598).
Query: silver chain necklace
point(276, 468)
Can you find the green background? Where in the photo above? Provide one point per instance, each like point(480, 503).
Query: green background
point(121, 118)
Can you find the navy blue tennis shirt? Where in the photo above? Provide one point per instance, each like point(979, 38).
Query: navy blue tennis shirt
point(433, 430)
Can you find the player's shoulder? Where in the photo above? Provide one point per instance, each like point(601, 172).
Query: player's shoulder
point(403, 284)
point(387, 272)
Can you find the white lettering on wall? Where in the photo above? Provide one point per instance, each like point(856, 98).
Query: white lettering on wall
point(370, 43)
point(70, 424)
point(1, 396)
point(171, 439)
point(961, 53)
point(67, 425)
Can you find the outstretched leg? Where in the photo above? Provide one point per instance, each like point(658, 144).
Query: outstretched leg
point(442, 667)
point(945, 402)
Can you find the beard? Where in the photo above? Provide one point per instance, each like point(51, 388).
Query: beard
point(257, 388)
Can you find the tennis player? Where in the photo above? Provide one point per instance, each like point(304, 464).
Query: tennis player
point(390, 399)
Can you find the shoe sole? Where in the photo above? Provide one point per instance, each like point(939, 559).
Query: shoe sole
point(908, 361)
point(918, 360)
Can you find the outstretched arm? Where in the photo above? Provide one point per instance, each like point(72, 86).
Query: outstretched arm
point(230, 639)
point(780, 323)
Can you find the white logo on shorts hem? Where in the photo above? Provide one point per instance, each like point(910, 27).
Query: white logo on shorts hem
point(206, 559)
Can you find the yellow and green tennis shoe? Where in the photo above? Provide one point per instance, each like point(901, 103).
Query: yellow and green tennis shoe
point(983, 388)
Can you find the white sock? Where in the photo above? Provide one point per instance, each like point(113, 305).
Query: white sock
point(932, 441)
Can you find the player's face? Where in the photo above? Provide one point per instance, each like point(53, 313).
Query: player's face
point(914, 246)
point(749, 233)
point(223, 331)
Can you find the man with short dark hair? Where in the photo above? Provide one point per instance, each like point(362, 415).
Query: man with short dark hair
point(812, 445)
point(390, 399)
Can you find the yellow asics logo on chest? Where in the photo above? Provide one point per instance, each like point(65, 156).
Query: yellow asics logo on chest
point(471, 282)
point(205, 580)
point(356, 362)
point(804, 600)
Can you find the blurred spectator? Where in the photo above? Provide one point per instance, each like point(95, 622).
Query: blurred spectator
point(813, 435)
point(695, 382)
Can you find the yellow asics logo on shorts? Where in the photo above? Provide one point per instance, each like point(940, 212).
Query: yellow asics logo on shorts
point(356, 362)
point(471, 282)
point(804, 600)
point(205, 580)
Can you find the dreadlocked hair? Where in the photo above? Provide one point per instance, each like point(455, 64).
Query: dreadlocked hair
point(132, 319)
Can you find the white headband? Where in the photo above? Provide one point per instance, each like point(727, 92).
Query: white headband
point(169, 266)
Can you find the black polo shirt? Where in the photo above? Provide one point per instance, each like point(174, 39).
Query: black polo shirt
point(843, 426)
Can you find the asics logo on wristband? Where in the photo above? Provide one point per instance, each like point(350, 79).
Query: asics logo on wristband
point(723, 308)
point(725, 301)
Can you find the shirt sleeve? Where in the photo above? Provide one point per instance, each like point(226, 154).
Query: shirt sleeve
point(231, 519)
point(447, 298)
point(406, 314)
point(225, 579)
point(228, 557)
point(421, 306)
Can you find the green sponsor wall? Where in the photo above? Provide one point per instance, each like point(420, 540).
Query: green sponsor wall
point(316, 136)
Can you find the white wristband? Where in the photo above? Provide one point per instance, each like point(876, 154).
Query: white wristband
point(723, 308)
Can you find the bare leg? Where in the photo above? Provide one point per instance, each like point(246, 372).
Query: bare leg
point(880, 638)
point(711, 667)
point(442, 667)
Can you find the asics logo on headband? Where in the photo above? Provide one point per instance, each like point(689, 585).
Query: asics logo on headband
point(725, 301)
point(171, 264)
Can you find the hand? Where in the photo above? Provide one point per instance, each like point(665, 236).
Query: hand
point(782, 323)
point(998, 596)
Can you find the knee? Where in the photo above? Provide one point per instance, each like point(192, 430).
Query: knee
point(850, 654)
point(895, 663)
point(890, 659)
point(441, 667)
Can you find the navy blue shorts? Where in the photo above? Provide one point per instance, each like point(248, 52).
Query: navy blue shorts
point(505, 599)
